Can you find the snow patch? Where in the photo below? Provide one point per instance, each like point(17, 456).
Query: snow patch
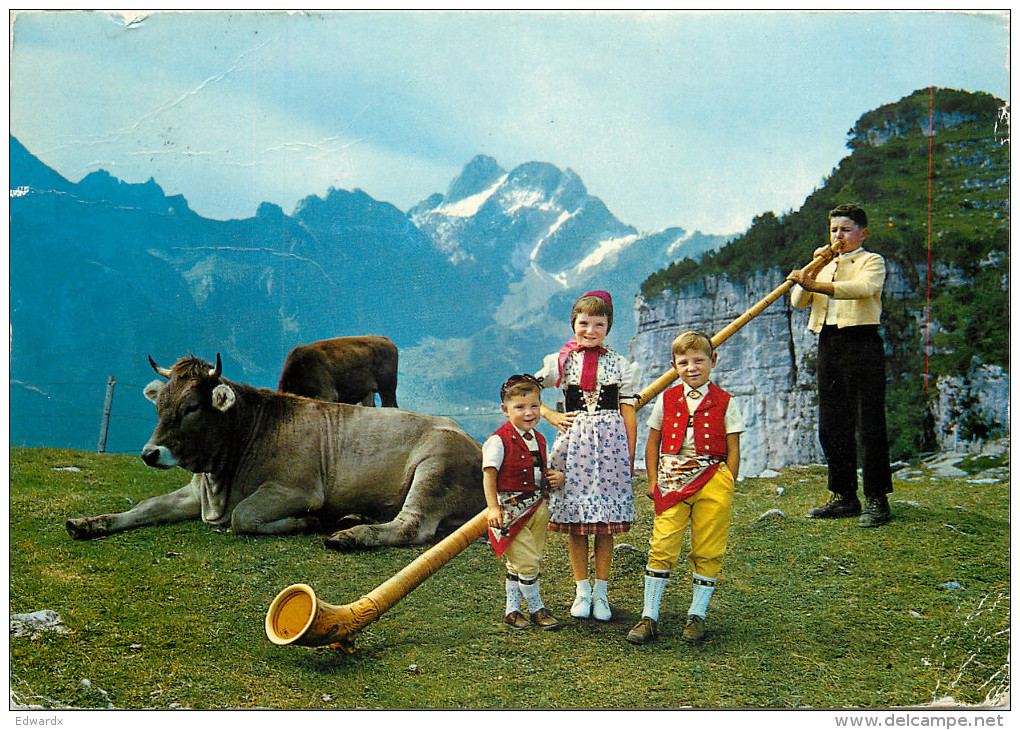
point(564, 217)
point(514, 200)
point(604, 250)
point(680, 241)
point(527, 298)
point(470, 205)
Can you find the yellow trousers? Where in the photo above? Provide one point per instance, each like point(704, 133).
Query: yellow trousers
point(708, 512)
point(528, 548)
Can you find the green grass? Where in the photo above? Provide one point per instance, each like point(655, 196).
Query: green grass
point(807, 613)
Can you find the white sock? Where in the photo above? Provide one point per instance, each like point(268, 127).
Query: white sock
point(583, 588)
point(655, 586)
point(530, 587)
point(703, 589)
point(601, 589)
point(513, 594)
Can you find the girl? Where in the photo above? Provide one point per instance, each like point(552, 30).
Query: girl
point(595, 447)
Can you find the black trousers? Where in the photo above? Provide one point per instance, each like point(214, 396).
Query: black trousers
point(851, 402)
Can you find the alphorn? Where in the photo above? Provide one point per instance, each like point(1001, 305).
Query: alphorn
point(668, 378)
point(298, 617)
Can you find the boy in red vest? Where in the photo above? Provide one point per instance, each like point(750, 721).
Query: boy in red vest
point(692, 458)
point(516, 484)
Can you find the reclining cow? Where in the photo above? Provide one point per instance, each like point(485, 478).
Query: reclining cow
point(272, 463)
point(343, 370)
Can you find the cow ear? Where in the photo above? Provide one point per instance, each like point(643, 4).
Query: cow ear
point(152, 390)
point(223, 397)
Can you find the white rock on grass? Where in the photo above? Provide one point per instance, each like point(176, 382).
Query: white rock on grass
point(33, 625)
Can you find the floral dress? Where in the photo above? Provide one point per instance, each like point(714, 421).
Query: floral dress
point(597, 496)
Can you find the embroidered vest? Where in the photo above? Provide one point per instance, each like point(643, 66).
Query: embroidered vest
point(517, 473)
point(708, 421)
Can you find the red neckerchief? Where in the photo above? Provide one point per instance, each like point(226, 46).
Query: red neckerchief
point(589, 368)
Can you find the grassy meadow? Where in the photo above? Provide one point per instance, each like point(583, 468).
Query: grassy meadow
point(807, 613)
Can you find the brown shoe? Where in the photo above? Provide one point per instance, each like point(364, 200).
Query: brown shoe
point(695, 628)
point(645, 631)
point(516, 619)
point(544, 619)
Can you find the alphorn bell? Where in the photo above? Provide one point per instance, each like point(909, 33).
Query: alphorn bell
point(298, 617)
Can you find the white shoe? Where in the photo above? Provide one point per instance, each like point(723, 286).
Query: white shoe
point(581, 607)
point(600, 608)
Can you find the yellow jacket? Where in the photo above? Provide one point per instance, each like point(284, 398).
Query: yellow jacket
point(858, 297)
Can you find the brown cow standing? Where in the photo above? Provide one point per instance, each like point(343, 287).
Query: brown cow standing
point(272, 463)
point(343, 370)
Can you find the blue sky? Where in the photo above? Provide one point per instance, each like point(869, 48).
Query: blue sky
point(695, 119)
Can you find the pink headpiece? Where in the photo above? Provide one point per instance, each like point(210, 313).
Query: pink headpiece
point(603, 295)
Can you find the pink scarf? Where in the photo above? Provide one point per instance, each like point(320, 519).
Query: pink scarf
point(589, 368)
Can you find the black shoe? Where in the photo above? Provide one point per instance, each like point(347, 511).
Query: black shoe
point(876, 512)
point(837, 506)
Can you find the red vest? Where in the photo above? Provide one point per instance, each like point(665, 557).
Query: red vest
point(709, 422)
point(517, 473)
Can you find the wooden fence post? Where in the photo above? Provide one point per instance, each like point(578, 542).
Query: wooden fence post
point(107, 405)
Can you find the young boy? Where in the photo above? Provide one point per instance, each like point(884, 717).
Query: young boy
point(846, 308)
point(516, 484)
point(692, 458)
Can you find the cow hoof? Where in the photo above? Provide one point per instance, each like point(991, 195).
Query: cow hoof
point(340, 541)
point(356, 538)
point(81, 529)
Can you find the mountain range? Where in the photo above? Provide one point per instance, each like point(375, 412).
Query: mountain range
point(472, 285)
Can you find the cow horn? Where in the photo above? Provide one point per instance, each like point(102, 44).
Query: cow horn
point(296, 616)
point(159, 371)
point(215, 372)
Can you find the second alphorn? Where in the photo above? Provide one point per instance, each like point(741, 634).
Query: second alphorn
point(669, 377)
